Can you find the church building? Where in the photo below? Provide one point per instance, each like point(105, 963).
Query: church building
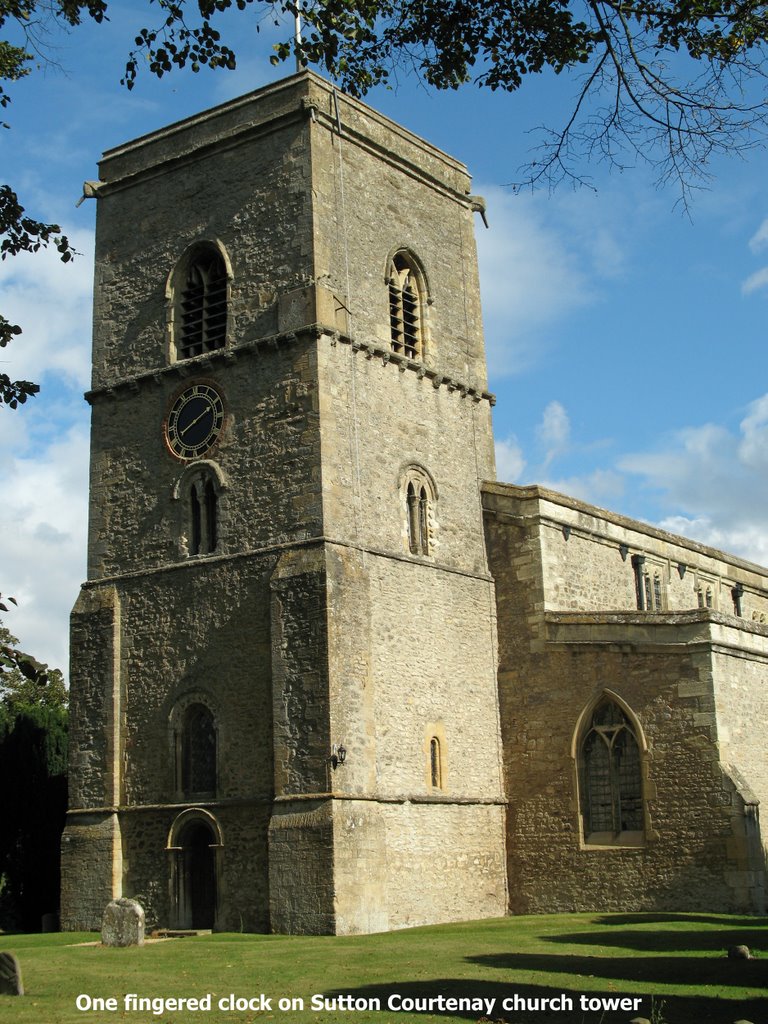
point(327, 675)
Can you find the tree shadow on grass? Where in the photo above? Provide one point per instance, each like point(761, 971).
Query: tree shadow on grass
point(663, 941)
point(678, 1009)
point(728, 921)
point(663, 970)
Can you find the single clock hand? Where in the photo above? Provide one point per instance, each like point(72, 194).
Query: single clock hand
point(197, 419)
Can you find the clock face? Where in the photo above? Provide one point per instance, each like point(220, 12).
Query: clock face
point(194, 422)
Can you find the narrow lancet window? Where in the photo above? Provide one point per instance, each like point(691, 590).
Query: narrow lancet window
point(195, 520)
point(203, 515)
point(210, 517)
point(435, 766)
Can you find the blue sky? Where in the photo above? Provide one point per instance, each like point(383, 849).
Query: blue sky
point(626, 341)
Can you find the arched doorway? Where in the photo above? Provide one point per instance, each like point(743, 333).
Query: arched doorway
point(195, 842)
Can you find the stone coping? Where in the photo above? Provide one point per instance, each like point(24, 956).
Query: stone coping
point(537, 493)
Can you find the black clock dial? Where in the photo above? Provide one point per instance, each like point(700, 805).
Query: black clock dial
point(194, 422)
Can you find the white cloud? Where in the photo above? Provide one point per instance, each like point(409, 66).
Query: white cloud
point(753, 448)
point(509, 460)
point(715, 480)
point(759, 240)
point(755, 282)
point(43, 525)
point(541, 260)
point(530, 278)
point(749, 541)
point(603, 487)
point(51, 301)
point(705, 482)
point(44, 445)
point(759, 279)
point(555, 428)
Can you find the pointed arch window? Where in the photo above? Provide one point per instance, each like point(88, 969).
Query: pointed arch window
point(201, 299)
point(610, 777)
point(406, 306)
point(419, 496)
point(418, 518)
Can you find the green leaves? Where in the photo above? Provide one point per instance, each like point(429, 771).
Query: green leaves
point(15, 665)
point(175, 44)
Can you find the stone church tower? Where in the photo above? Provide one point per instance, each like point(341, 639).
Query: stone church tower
point(284, 710)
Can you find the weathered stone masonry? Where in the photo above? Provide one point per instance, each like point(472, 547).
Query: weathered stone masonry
point(542, 705)
point(307, 622)
point(693, 678)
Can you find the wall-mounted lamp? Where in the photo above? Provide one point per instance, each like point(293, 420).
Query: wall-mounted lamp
point(338, 756)
point(566, 531)
point(681, 569)
point(623, 551)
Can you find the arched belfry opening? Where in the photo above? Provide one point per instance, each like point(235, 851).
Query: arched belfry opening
point(194, 848)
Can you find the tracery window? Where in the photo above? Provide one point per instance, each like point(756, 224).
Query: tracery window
point(610, 771)
point(200, 296)
point(704, 594)
point(649, 586)
point(405, 306)
point(419, 495)
point(198, 492)
point(418, 518)
point(197, 753)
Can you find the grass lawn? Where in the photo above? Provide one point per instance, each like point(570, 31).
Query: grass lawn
point(677, 958)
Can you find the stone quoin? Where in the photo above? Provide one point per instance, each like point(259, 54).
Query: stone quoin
point(327, 675)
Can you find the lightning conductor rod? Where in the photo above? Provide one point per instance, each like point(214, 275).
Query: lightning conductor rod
point(298, 41)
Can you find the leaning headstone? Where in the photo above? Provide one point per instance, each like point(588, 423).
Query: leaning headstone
point(739, 953)
point(123, 923)
point(10, 976)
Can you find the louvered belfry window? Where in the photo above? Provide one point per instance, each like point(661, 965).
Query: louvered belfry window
point(405, 308)
point(203, 306)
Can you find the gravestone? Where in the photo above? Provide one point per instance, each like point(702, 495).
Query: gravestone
point(739, 953)
point(123, 923)
point(10, 976)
